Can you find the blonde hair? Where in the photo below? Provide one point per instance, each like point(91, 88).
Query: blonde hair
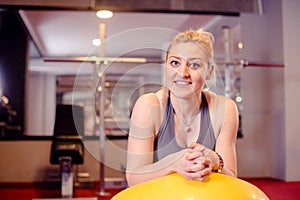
point(205, 40)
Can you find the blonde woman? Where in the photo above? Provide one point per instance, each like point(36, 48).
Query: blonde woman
point(184, 127)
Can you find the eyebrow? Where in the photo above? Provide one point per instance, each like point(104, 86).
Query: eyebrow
point(194, 59)
point(189, 59)
point(174, 57)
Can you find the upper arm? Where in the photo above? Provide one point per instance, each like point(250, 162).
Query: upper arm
point(142, 132)
point(226, 140)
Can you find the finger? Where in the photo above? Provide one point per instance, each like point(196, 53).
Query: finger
point(198, 175)
point(194, 155)
point(203, 177)
point(203, 160)
point(193, 145)
point(197, 166)
point(197, 147)
point(206, 172)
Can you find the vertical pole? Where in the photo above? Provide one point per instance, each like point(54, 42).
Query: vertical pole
point(101, 90)
point(66, 176)
point(229, 57)
point(228, 44)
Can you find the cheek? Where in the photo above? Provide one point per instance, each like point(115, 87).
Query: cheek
point(198, 80)
point(198, 75)
point(202, 74)
point(170, 74)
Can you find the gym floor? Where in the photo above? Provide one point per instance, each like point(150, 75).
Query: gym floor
point(274, 189)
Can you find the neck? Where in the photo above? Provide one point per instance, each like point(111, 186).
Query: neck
point(186, 108)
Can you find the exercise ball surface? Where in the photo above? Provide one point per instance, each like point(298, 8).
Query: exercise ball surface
point(176, 187)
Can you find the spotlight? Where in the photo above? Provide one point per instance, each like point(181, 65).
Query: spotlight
point(96, 42)
point(104, 14)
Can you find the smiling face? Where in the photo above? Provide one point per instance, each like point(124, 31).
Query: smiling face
point(187, 69)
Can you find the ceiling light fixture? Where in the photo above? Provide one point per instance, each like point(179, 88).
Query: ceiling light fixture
point(104, 14)
point(96, 42)
point(240, 45)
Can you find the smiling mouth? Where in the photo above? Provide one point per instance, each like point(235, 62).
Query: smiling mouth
point(183, 82)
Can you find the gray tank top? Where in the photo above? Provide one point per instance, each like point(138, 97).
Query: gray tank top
point(165, 142)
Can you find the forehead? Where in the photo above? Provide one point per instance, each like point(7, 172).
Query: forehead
point(188, 50)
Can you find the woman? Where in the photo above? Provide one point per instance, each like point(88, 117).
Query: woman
point(183, 128)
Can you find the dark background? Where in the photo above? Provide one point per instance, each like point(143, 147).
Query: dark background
point(13, 61)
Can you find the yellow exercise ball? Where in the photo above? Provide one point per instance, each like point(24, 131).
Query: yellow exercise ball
point(176, 187)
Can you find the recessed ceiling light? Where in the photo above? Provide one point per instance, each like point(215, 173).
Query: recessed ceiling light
point(104, 14)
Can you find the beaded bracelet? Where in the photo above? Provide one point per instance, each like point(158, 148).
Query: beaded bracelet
point(221, 164)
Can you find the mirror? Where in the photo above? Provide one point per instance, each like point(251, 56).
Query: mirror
point(62, 44)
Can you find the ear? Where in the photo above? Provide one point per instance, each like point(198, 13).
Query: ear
point(210, 72)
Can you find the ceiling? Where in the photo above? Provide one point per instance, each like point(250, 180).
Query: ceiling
point(63, 30)
point(61, 38)
point(63, 35)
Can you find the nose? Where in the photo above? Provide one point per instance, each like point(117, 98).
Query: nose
point(183, 70)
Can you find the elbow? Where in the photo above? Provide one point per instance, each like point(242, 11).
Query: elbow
point(232, 173)
point(229, 172)
point(235, 174)
point(134, 178)
point(129, 179)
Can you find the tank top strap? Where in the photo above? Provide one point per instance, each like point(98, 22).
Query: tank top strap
point(165, 133)
point(207, 135)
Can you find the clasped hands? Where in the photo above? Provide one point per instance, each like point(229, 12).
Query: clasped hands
point(194, 163)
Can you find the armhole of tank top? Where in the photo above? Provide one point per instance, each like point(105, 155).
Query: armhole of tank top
point(162, 112)
point(211, 104)
point(214, 109)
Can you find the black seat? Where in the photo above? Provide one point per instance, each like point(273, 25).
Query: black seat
point(68, 132)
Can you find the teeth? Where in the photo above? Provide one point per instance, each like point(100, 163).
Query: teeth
point(182, 82)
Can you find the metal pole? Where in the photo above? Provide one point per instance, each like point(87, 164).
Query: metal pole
point(228, 44)
point(101, 90)
point(229, 58)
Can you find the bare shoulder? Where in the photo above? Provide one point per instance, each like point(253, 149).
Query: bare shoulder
point(147, 100)
point(144, 103)
point(222, 110)
point(219, 102)
point(147, 109)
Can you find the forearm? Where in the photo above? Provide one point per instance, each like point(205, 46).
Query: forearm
point(155, 170)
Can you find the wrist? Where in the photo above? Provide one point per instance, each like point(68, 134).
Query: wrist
point(220, 164)
point(173, 160)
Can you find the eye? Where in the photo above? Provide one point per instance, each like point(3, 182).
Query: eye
point(194, 65)
point(174, 63)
